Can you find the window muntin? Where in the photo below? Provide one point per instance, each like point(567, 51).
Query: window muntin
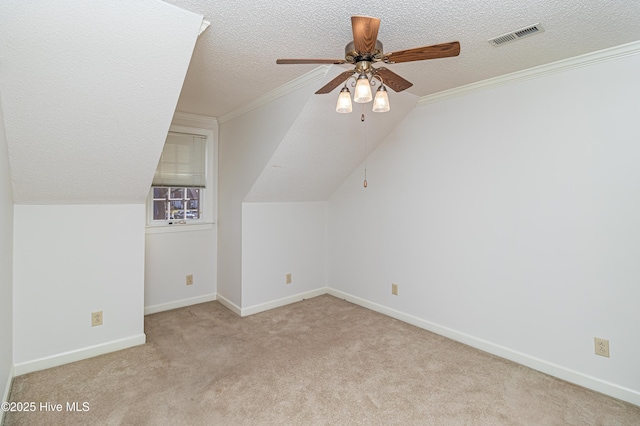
point(191, 199)
point(172, 203)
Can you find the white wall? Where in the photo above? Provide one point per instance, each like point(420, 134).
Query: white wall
point(246, 144)
point(6, 267)
point(510, 218)
point(70, 261)
point(169, 257)
point(278, 239)
point(84, 131)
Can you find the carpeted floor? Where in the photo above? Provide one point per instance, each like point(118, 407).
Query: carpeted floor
point(322, 361)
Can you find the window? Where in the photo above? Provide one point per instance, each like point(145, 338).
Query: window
point(176, 203)
point(183, 190)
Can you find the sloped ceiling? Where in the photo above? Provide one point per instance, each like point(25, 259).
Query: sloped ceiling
point(89, 90)
point(89, 87)
point(234, 60)
point(322, 147)
point(234, 63)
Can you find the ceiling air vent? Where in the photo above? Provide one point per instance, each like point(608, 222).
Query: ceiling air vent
point(515, 35)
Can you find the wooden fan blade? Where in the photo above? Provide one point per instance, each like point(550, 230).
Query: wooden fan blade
point(311, 61)
point(393, 80)
point(365, 33)
point(334, 83)
point(443, 50)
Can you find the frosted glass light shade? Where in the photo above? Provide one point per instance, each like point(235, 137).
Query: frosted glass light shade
point(344, 102)
point(381, 102)
point(362, 95)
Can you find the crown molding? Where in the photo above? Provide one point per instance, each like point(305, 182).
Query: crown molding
point(587, 59)
point(205, 24)
point(310, 77)
point(201, 119)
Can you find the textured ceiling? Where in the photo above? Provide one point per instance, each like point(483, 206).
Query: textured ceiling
point(88, 94)
point(89, 87)
point(234, 60)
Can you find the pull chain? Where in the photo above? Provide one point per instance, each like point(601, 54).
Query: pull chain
point(365, 147)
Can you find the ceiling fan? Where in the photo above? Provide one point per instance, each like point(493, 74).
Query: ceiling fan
point(366, 49)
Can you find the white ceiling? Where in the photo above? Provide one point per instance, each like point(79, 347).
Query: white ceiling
point(81, 109)
point(234, 60)
point(322, 148)
point(84, 121)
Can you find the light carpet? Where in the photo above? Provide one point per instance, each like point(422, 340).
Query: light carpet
point(322, 361)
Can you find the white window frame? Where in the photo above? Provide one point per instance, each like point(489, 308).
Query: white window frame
point(208, 195)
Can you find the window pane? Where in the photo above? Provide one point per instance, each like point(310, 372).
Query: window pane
point(160, 192)
point(176, 203)
point(176, 193)
point(193, 209)
point(177, 209)
point(193, 193)
point(159, 210)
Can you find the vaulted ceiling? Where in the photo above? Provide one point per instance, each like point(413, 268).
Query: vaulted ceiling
point(234, 60)
point(322, 147)
point(88, 87)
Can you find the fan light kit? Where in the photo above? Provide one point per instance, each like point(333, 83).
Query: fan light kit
point(362, 94)
point(363, 51)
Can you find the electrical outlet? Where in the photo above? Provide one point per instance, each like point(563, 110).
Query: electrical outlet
point(96, 318)
point(602, 346)
point(394, 289)
point(189, 279)
point(288, 279)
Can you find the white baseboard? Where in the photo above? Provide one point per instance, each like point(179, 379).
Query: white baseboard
point(77, 355)
point(7, 391)
point(546, 367)
point(282, 302)
point(148, 310)
point(229, 304)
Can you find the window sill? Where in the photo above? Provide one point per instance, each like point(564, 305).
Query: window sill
point(178, 227)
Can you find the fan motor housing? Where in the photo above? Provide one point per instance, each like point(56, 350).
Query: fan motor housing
point(351, 55)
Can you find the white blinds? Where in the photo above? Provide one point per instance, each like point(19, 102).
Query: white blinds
point(182, 162)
